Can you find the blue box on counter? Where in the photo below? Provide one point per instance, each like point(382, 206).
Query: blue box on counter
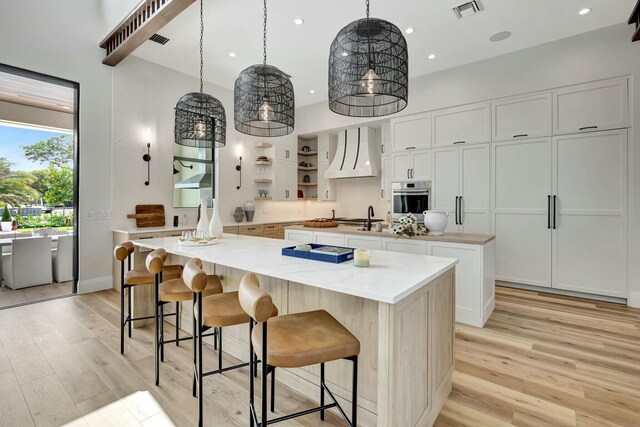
point(324, 257)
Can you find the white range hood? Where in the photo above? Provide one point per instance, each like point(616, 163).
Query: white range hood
point(357, 155)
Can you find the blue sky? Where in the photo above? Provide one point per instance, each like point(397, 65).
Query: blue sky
point(13, 138)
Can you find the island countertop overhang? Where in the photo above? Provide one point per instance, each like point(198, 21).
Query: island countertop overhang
point(390, 278)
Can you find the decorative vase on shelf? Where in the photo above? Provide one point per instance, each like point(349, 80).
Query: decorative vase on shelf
point(238, 214)
point(215, 226)
point(249, 210)
point(203, 222)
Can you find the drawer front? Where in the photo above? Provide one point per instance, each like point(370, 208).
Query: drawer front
point(175, 233)
point(270, 228)
point(251, 230)
point(143, 236)
point(230, 230)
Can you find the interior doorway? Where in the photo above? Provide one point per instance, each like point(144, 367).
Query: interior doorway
point(39, 176)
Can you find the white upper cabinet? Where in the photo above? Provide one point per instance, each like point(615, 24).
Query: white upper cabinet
point(592, 106)
point(385, 139)
point(412, 166)
point(401, 167)
point(285, 181)
point(468, 124)
point(326, 148)
point(386, 175)
point(522, 117)
point(411, 132)
point(285, 149)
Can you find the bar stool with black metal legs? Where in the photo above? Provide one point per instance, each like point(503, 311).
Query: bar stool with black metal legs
point(169, 291)
point(294, 341)
point(130, 278)
point(214, 311)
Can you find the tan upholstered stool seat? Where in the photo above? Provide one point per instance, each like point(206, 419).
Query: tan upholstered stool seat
point(304, 339)
point(224, 310)
point(141, 276)
point(176, 290)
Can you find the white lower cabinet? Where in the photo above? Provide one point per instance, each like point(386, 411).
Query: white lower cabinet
point(404, 245)
point(300, 236)
point(363, 242)
point(328, 238)
point(475, 279)
point(475, 272)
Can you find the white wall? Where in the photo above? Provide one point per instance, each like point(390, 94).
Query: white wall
point(591, 56)
point(61, 39)
point(144, 97)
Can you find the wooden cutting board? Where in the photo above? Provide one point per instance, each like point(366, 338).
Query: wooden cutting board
point(149, 216)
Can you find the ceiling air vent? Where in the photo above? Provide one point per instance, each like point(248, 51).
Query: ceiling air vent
point(159, 39)
point(466, 9)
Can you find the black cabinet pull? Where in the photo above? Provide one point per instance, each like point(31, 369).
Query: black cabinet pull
point(522, 135)
point(459, 142)
point(456, 211)
point(327, 155)
point(549, 211)
point(382, 193)
point(460, 210)
point(327, 194)
point(410, 148)
point(555, 210)
point(408, 173)
point(588, 127)
point(382, 148)
point(412, 170)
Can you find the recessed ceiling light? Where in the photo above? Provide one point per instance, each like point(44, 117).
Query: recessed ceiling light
point(232, 54)
point(584, 11)
point(502, 35)
point(298, 21)
point(432, 56)
point(345, 54)
point(409, 30)
point(312, 91)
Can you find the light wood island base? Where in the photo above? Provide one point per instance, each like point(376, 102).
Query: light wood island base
point(407, 349)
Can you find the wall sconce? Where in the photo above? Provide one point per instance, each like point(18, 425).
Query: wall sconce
point(176, 171)
point(147, 158)
point(239, 169)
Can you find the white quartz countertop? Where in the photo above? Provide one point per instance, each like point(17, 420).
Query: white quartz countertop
point(134, 230)
point(391, 277)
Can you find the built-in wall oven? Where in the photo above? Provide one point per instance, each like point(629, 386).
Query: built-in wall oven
point(410, 197)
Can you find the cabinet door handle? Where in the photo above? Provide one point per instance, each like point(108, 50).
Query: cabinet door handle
point(382, 148)
point(456, 211)
point(459, 142)
point(327, 194)
point(412, 172)
point(327, 155)
point(522, 135)
point(408, 176)
point(588, 127)
point(555, 210)
point(460, 209)
point(549, 211)
point(382, 193)
point(410, 148)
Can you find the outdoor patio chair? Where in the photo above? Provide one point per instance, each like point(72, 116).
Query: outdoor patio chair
point(62, 259)
point(29, 263)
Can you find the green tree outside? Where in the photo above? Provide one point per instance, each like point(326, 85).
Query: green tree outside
point(16, 187)
point(57, 150)
point(59, 182)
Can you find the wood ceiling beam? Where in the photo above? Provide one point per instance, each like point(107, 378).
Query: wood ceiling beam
point(143, 22)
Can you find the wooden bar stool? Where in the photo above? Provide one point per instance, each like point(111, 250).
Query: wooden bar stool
point(294, 341)
point(137, 277)
point(168, 291)
point(214, 311)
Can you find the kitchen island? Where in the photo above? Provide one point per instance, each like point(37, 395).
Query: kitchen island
point(475, 272)
point(401, 309)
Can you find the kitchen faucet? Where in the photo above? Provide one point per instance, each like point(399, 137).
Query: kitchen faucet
point(369, 215)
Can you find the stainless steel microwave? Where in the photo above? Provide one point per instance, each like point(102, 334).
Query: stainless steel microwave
point(410, 197)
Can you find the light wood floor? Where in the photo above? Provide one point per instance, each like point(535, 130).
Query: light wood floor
point(9, 297)
point(540, 360)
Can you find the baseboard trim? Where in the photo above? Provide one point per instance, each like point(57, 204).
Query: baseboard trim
point(95, 284)
point(634, 300)
point(562, 292)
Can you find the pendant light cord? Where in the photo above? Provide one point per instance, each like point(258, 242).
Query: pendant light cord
point(368, 36)
point(264, 35)
point(201, 42)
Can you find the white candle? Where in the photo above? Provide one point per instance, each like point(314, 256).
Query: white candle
point(361, 257)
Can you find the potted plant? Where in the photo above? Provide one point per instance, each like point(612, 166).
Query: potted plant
point(6, 222)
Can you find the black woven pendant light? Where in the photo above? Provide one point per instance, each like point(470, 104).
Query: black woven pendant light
point(200, 118)
point(264, 103)
point(368, 69)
